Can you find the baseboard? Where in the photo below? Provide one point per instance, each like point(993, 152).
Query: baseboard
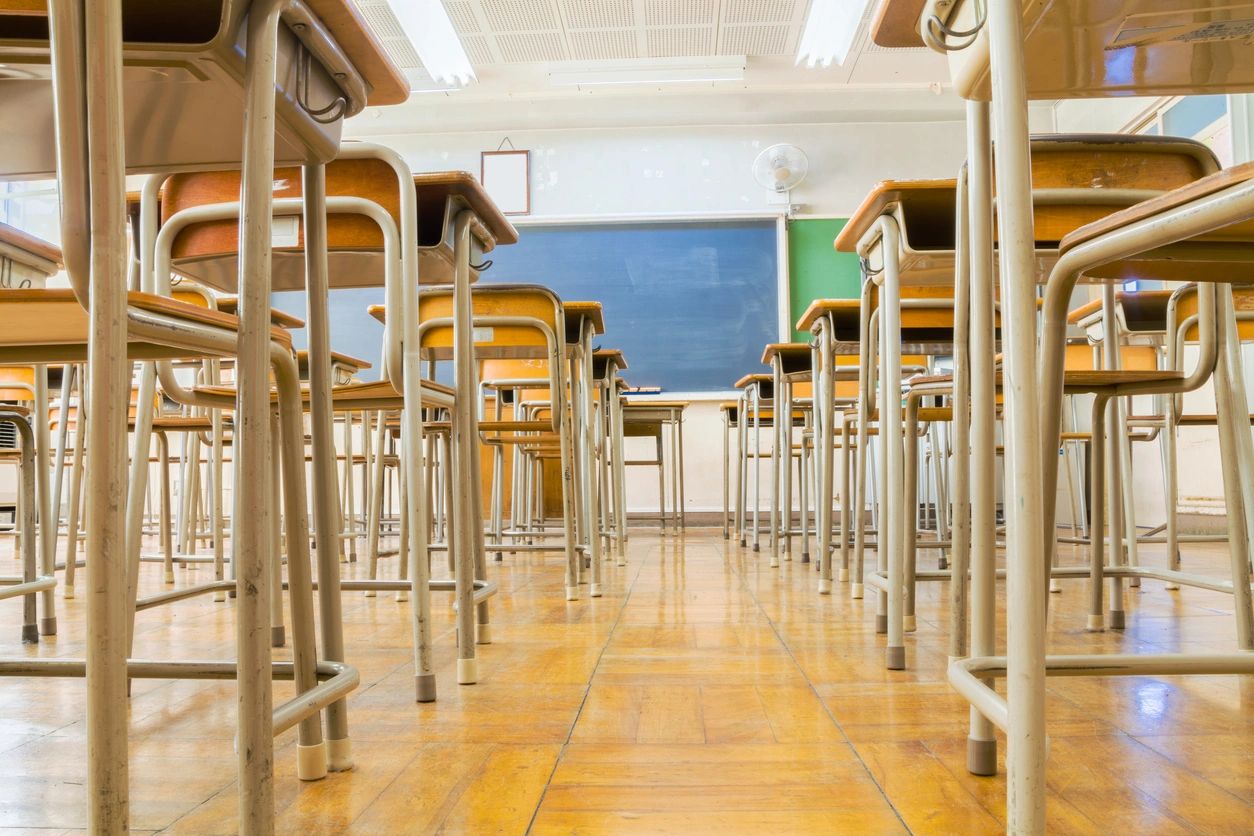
point(1202, 523)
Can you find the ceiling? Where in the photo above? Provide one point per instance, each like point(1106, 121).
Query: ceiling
point(513, 43)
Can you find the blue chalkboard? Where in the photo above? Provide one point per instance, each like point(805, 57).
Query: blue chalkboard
point(690, 304)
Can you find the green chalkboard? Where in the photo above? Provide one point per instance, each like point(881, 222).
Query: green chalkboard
point(815, 269)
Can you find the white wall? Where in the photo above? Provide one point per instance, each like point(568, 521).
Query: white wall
point(694, 171)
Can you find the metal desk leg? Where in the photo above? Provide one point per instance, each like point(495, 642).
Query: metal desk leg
point(327, 521)
point(847, 455)
point(620, 481)
point(865, 395)
point(804, 486)
point(1231, 403)
point(784, 470)
point(465, 435)
point(679, 460)
point(960, 404)
point(981, 742)
point(824, 444)
point(742, 467)
point(894, 516)
point(1026, 593)
point(76, 493)
point(165, 523)
point(910, 497)
point(87, 67)
point(217, 508)
point(757, 465)
point(661, 479)
point(374, 517)
point(591, 481)
point(726, 472)
point(250, 519)
point(779, 403)
point(277, 633)
point(58, 478)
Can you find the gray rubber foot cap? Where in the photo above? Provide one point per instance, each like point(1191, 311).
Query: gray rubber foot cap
point(1118, 619)
point(981, 757)
point(30, 634)
point(726, 536)
point(942, 564)
point(278, 636)
point(881, 624)
point(755, 547)
point(48, 626)
point(500, 557)
point(742, 544)
point(805, 557)
point(895, 658)
point(424, 687)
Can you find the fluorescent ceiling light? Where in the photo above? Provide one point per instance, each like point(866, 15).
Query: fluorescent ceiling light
point(429, 29)
point(830, 31)
point(649, 72)
point(421, 81)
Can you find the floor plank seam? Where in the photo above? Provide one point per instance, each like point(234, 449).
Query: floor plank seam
point(609, 637)
point(814, 690)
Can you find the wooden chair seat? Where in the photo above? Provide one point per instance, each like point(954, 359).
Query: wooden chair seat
point(493, 342)
point(353, 397)
point(1223, 255)
point(343, 365)
point(230, 305)
point(208, 252)
point(50, 325)
point(1190, 420)
point(32, 257)
point(1083, 381)
point(180, 423)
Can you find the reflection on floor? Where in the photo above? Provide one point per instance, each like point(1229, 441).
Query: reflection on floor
point(704, 693)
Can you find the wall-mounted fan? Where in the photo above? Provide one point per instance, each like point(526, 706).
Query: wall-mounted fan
point(780, 168)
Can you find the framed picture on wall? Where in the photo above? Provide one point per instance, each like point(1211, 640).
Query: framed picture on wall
point(506, 176)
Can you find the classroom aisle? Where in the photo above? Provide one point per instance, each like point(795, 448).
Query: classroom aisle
point(704, 693)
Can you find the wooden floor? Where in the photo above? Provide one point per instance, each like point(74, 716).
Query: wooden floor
point(704, 693)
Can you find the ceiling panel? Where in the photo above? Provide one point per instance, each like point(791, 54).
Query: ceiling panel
point(496, 32)
point(754, 40)
point(760, 11)
point(531, 47)
point(519, 15)
point(598, 14)
point(671, 12)
point(596, 44)
point(680, 41)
